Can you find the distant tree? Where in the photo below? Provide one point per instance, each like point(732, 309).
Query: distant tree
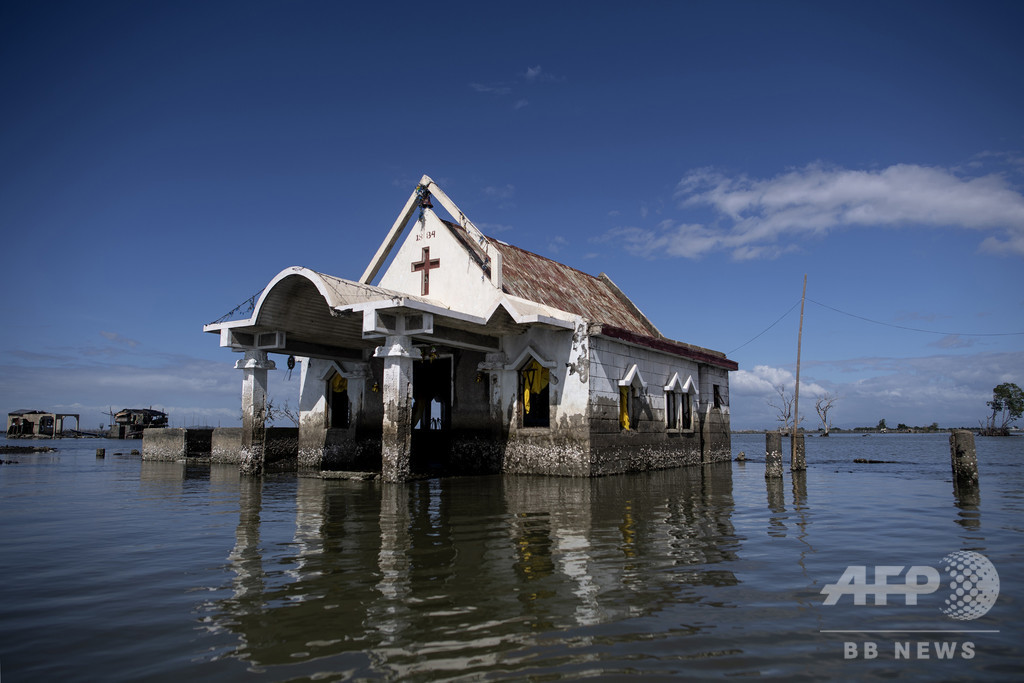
point(1007, 406)
point(881, 425)
point(902, 427)
point(823, 406)
point(783, 407)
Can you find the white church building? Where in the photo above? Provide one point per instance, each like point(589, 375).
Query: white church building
point(469, 355)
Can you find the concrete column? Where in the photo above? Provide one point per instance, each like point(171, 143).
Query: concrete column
point(798, 454)
point(396, 439)
point(254, 409)
point(772, 455)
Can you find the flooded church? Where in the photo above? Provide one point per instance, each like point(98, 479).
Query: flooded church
point(455, 352)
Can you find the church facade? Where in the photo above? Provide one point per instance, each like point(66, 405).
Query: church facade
point(456, 352)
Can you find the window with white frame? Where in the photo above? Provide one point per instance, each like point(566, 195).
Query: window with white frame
point(679, 398)
point(535, 394)
point(672, 410)
point(631, 387)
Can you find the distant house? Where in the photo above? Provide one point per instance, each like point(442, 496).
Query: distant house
point(129, 423)
point(29, 423)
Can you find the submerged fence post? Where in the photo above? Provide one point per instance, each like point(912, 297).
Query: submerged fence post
point(964, 457)
point(772, 455)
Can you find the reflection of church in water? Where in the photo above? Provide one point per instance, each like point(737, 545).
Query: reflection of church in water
point(443, 573)
point(458, 352)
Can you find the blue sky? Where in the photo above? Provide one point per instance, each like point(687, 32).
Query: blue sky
point(160, 162)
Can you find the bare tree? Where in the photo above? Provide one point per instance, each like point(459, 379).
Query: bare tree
point(823, 406)
point(783, 407)
point(274, 412)
point(291, 413)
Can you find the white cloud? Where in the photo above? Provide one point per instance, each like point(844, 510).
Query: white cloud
point(556, 243)
point(495, 192)
point(492, 88)
point(761, 218)
point(115, 337)
point(948, 389)
point(763, 380)
point(76, 378)
point(494, 228)
point(536, 74)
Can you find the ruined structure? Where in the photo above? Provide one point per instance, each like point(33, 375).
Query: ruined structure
point(129, 423)
point(28, 423)
point(468, 354)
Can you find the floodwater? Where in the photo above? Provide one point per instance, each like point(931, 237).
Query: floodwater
point(117, 569)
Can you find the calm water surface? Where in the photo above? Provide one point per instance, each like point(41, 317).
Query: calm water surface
point(118, 569)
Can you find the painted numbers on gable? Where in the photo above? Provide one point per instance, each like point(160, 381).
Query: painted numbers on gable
point(426, 235)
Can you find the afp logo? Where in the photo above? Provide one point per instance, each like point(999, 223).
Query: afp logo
point(972, 581)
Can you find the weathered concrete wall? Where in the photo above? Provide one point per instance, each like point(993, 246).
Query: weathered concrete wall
point(163, 444)
point(321, 446)
point(282, 447)
point(717, 435)
point(344, 451)
point(477, 438)
point(650, 443)
point(476, 453)
point(546, 451)
point(563, 448)
point(226, 445)
point(175, 443)
point(634, 451)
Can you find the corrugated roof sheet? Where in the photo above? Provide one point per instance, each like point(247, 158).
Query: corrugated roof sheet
point(535, 278)
point(539, 279)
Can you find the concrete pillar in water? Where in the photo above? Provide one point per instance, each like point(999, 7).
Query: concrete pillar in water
point(964, 457)
point(772, 455)
point(396, 439)
point(254, 409)
point(798, 453)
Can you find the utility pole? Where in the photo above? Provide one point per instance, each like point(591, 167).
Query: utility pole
point(796, 460)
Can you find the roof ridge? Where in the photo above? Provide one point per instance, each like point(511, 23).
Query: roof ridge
point(503, 243)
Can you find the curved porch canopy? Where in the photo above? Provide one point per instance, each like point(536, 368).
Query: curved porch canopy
point(305, 313)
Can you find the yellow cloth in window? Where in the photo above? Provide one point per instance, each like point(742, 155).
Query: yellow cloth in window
point(624, 407)
point(535, 378)
point(339, 384)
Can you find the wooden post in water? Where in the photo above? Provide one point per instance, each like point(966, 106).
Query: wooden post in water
point(797, 460)
point(773, 455)
point(964, 457)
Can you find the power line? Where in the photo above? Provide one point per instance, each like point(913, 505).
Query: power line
point(916, 329)
point(766, 329)
point(876, 322)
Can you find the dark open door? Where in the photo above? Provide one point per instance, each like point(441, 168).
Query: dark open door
point(431, 415)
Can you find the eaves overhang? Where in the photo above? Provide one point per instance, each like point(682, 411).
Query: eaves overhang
point(665, 345)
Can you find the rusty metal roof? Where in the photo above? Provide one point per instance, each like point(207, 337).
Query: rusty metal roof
point(535, 278)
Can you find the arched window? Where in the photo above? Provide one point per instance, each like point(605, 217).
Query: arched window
point(338, 405)
point(535, 394)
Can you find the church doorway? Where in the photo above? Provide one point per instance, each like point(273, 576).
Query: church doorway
point(431, 415)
